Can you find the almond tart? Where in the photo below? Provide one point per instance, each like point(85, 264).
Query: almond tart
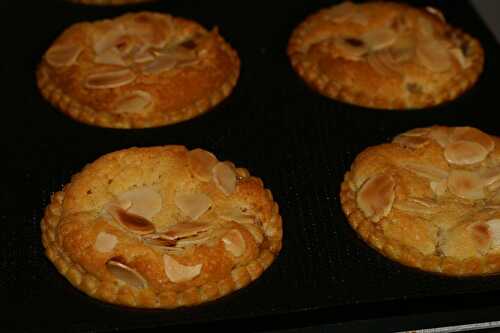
point(161, 227)
point(385, 55)
point(137, 70)
point(430, 199)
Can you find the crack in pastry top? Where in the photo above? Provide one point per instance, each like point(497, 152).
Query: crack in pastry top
point(440, 198)
point(176, 208)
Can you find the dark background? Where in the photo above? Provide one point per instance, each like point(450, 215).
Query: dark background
point(297, 141)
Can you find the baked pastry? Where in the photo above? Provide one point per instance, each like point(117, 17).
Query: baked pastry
point(161, 227)
point(109, 2)
point(138, 70)
point(430, 200)
point(385, 55)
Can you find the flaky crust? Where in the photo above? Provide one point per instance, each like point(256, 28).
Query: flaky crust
point(182, 92)
point(314, 53)
point(449, 230)
point(76, 218)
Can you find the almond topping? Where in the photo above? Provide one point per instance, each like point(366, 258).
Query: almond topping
point(459, 56)
point(464, 152)
point(413, 142)
point(224, 177)
point(436, 12)
point(439, 187)
point(135, 223)
point(466, 184)
point(377, 63)
point(434, 56)
point(105, 242)
point(126, 274)
point(379, 38)
point(63, 55)
point(109, 39)
point(255, 231)
point(160, 64)
point(426, 171)
point(350, 48)
point(177, 272)
point(111, 79)
point(234, 214)
point(491, 175)
point(234, 243)
point(376, 196)
point(110, 57)
point(201, 163)
point(417, 132)
point(134, 102)
point(193, 205)
point(474, 135)
point(418, 206)
point(494, 232)
point(441, 135)
point(185, 229)
point(146, 202)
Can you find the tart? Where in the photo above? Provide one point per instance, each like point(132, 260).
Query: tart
point(430, 199)
point(137, 70)
point(161, 227)
point(385, 55)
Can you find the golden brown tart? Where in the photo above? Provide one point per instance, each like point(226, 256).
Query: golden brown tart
point(161, 227)
point(385, 55)
point(138, 70)
point(430, 199)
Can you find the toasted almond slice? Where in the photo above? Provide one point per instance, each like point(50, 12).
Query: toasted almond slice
point(234, 243)
point(379, 38)
point(342, 12)
point(436, 12)
point(109, 39)
point(160, 64)
point(494, 232)
point(426, 170)
point(439, 187)
point(434, 56)
point(255, 231)
point(224, 177)
point(201, 163)
point(63, 55)
point(376, 62)
point(146, 201)
point(193, 205)
point(185, 229)
point(376, 196)
point(418, 206)
point(459, 56)
point(466, 184)
point(481, 235)
point(126, 274)
point(142, 57)
point(159, 240)
point(135, 102)
point(110, 57)
point(177, 272)
point(110, 79)
point(105, 242)
point(414, 142)
point(135, 223)
point(350, 48)
point(417, 132)
point(403, 49)
point(474, 135)
point(441, 135)
point(464, 152)
point(491, 175)
point(235, 214)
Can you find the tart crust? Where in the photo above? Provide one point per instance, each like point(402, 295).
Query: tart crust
point(181, 261)
point(385, 55)
point(172, 69)
point(449, 229)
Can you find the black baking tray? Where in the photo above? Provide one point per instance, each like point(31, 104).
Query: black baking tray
point(297, 141)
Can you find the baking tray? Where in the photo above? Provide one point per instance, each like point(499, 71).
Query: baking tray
point(297, 141)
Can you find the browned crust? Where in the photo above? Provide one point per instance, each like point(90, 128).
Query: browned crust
point(55, 94)
point(351, 94)
point(238, 278)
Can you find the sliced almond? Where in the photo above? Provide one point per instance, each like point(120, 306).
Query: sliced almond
point(474, 135)
point(376, 196)
point(234, 243)
point(110, 57)
point(193, 205)
point(417, 132)
point(490, 175)
point(494, 232)
point(342, 12)
point(132, 222)
point(350, 48)
point(379, 38)
point(434, 56)
point(145, 201)
point(224, 177)
point(126, 274)
point(110, 79)
point(441, 135)
point(235, 214)
point(459, 56)
point(109, 39)
point(135, 102)
point(436, 12)
point(378, 65)
point(177, 272)
point(256, 232)
point(105, 242)
point(439, 187)
point(426, 170)
point(417, 206)
point(464, 152)
point(185, 229)
point(414, 142)
point(403, 49)
point(466, 184)
point(143, 57)
point(63, 55)
point(161, 64)
point(201, 163)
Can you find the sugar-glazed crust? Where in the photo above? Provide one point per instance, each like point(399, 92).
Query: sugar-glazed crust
point(430, 200)
point(385, 55)
point(161, 227)
point(137, 70)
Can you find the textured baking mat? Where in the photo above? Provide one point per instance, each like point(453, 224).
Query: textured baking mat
point(297, 141)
